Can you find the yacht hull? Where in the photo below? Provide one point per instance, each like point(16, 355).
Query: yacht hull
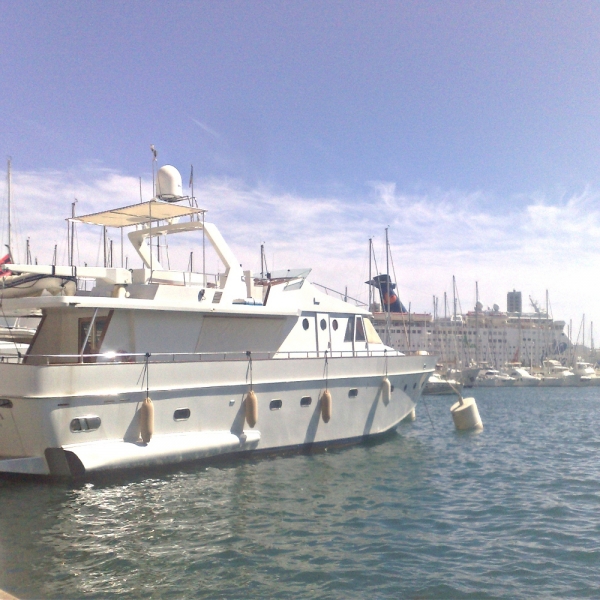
point(81, 419)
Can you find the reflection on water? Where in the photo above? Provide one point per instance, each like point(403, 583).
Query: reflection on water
point(427, 513)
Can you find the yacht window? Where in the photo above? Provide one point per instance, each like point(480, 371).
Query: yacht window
point(349, 336)
point(306, 401)
point(334, 324)
point(275, 404)
point(305, 323)
point(85, 424)
point(372, 335)
point(94, 340)
point(360, 330)
point(352, 393)
point(5, 403)
point(181, 414)
point(323, 324)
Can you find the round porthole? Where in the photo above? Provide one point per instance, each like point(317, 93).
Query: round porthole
point(323, 324)
point(305, 323)
point(334, 324)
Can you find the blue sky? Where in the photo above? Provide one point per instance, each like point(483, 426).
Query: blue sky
point(470, 128)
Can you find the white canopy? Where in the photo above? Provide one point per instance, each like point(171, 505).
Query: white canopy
point(138, 214)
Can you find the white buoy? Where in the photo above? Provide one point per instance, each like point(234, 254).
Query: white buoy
point(465, 414)
point(146, 420)
point(325, 401)
point(251, 408)
point(386, 390)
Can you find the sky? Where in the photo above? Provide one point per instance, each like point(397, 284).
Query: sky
point(470, 129)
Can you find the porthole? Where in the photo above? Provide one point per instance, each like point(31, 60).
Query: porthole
point(334, 324)
point(275, 404)
point(415, 385)
point(405, 386)
point(306, 401)
point(85, 424)
point(352, 393)
point(392, 388)
point(323, 324)
point(305, 323)
point(181, 414)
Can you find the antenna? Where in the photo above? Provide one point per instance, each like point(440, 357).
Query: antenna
point(154, 155)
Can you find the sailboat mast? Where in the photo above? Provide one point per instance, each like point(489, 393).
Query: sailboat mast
point(477, 323)
point(9, 185)
point(387, 252)
point(370, 276)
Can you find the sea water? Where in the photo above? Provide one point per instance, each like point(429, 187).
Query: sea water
point(428, 512)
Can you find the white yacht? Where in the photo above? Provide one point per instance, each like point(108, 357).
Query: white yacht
point(494, 378)
point(585, 374)
point(554, 374)
point(155, 366)
point(523, 378)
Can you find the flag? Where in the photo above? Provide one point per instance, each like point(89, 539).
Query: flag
point(154, 152)
point(4, 260)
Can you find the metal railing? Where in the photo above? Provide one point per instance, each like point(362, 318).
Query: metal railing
point(169, 357)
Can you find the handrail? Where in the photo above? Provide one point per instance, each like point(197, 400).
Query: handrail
point(138, 357)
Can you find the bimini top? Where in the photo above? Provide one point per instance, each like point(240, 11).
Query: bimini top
point(138, 214)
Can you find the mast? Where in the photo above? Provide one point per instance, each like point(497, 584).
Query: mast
point(72, 235)
point(454, 297)
point(370, 277)
point(9, 184)
point(104, 244)
point(387, 255)
point(445, 306)
point(477, 323)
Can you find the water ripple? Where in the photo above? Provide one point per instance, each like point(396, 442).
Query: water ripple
point(428, 513)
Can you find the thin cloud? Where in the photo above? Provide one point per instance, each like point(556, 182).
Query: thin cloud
point(206, 128)
point(539, 244)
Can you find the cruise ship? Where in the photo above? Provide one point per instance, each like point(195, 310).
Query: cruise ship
point(488, 337)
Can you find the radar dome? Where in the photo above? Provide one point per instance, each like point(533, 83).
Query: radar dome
point(168, 184)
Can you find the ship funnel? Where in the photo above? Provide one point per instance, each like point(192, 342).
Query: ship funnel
point(168, 184)
point(389, 299)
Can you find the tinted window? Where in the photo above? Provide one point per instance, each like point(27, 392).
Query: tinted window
point(353, 393)
point(305, 323)
point(275, 404)
point(360, 330)
point(349, 336)
point(306, 401)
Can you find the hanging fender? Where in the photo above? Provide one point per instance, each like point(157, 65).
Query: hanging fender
point(325, 402)
point(386, 391)
point(146, 420)
point(251, 408)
